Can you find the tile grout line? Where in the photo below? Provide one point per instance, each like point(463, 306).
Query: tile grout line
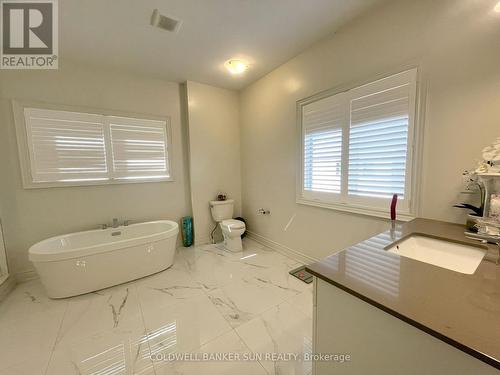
point(259, 316)
point(205, 292)
point(56, 339)
point(146, 331)
point(208, 298)
point(232, 329)
point(286, 300)
point(248, 347)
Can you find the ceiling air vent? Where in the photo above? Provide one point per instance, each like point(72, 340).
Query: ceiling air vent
point(164, 22)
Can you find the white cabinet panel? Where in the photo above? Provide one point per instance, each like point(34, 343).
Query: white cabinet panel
point(379, 343)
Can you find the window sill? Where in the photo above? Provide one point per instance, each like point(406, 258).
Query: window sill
point(43, 185)
point(355, 209)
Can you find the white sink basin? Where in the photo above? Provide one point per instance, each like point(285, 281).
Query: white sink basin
point(450, 255)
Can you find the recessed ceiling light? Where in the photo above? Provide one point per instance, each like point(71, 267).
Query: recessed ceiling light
point(497, 7)
point(236, 66)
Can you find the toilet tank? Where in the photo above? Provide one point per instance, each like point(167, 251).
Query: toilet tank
point(222, 210)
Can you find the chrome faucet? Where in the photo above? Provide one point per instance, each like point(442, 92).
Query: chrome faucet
point(488, 231)
point(485, 239)
point(115, 224)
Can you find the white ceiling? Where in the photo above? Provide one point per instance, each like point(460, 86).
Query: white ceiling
point(116, 33)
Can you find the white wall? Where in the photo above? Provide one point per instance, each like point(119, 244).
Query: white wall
point(29, 216)
point(214, 151)
point(454, 43)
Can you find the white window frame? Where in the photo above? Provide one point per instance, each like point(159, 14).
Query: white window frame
point(361, 205)
point(24, 148)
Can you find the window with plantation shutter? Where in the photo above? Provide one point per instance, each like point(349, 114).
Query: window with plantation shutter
point(79, 148)
point(357, 147)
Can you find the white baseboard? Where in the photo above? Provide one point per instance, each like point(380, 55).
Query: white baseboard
point(7, 286)
point(22, 277)
point(285, 250)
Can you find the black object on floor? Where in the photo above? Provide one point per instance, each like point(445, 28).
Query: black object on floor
point(301, 274)
point(241, 219)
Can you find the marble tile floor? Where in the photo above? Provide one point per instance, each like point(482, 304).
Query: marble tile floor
point(210, 302)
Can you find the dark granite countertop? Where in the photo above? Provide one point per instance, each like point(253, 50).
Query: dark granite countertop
point(462, 310)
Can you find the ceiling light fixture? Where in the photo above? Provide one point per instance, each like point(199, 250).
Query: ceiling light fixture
point(236, 66)
point(497, 7)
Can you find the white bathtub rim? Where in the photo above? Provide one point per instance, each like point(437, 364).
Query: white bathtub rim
point(94, 250)
point(39, 256)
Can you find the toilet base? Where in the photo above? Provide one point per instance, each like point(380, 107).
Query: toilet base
point(233, 244)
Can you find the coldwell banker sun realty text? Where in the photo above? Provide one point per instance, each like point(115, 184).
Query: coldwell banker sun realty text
point(29, 34)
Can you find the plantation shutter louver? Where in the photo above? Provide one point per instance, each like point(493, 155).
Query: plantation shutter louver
point(322, 124)
point(139, 148)
point(65, 146)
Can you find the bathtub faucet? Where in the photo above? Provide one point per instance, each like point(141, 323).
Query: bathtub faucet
point(115, 224)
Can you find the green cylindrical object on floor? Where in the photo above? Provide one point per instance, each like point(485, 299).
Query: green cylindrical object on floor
point(187, 231)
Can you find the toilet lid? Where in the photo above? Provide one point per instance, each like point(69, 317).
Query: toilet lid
point(234, 224)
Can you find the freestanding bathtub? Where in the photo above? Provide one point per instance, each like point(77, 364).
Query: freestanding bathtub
point(83, 262)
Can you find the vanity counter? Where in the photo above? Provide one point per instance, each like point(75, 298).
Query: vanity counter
point(460, 309)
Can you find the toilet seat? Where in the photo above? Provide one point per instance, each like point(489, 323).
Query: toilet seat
point(233, 224)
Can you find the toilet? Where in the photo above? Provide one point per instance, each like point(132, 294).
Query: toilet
point(222, 213)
